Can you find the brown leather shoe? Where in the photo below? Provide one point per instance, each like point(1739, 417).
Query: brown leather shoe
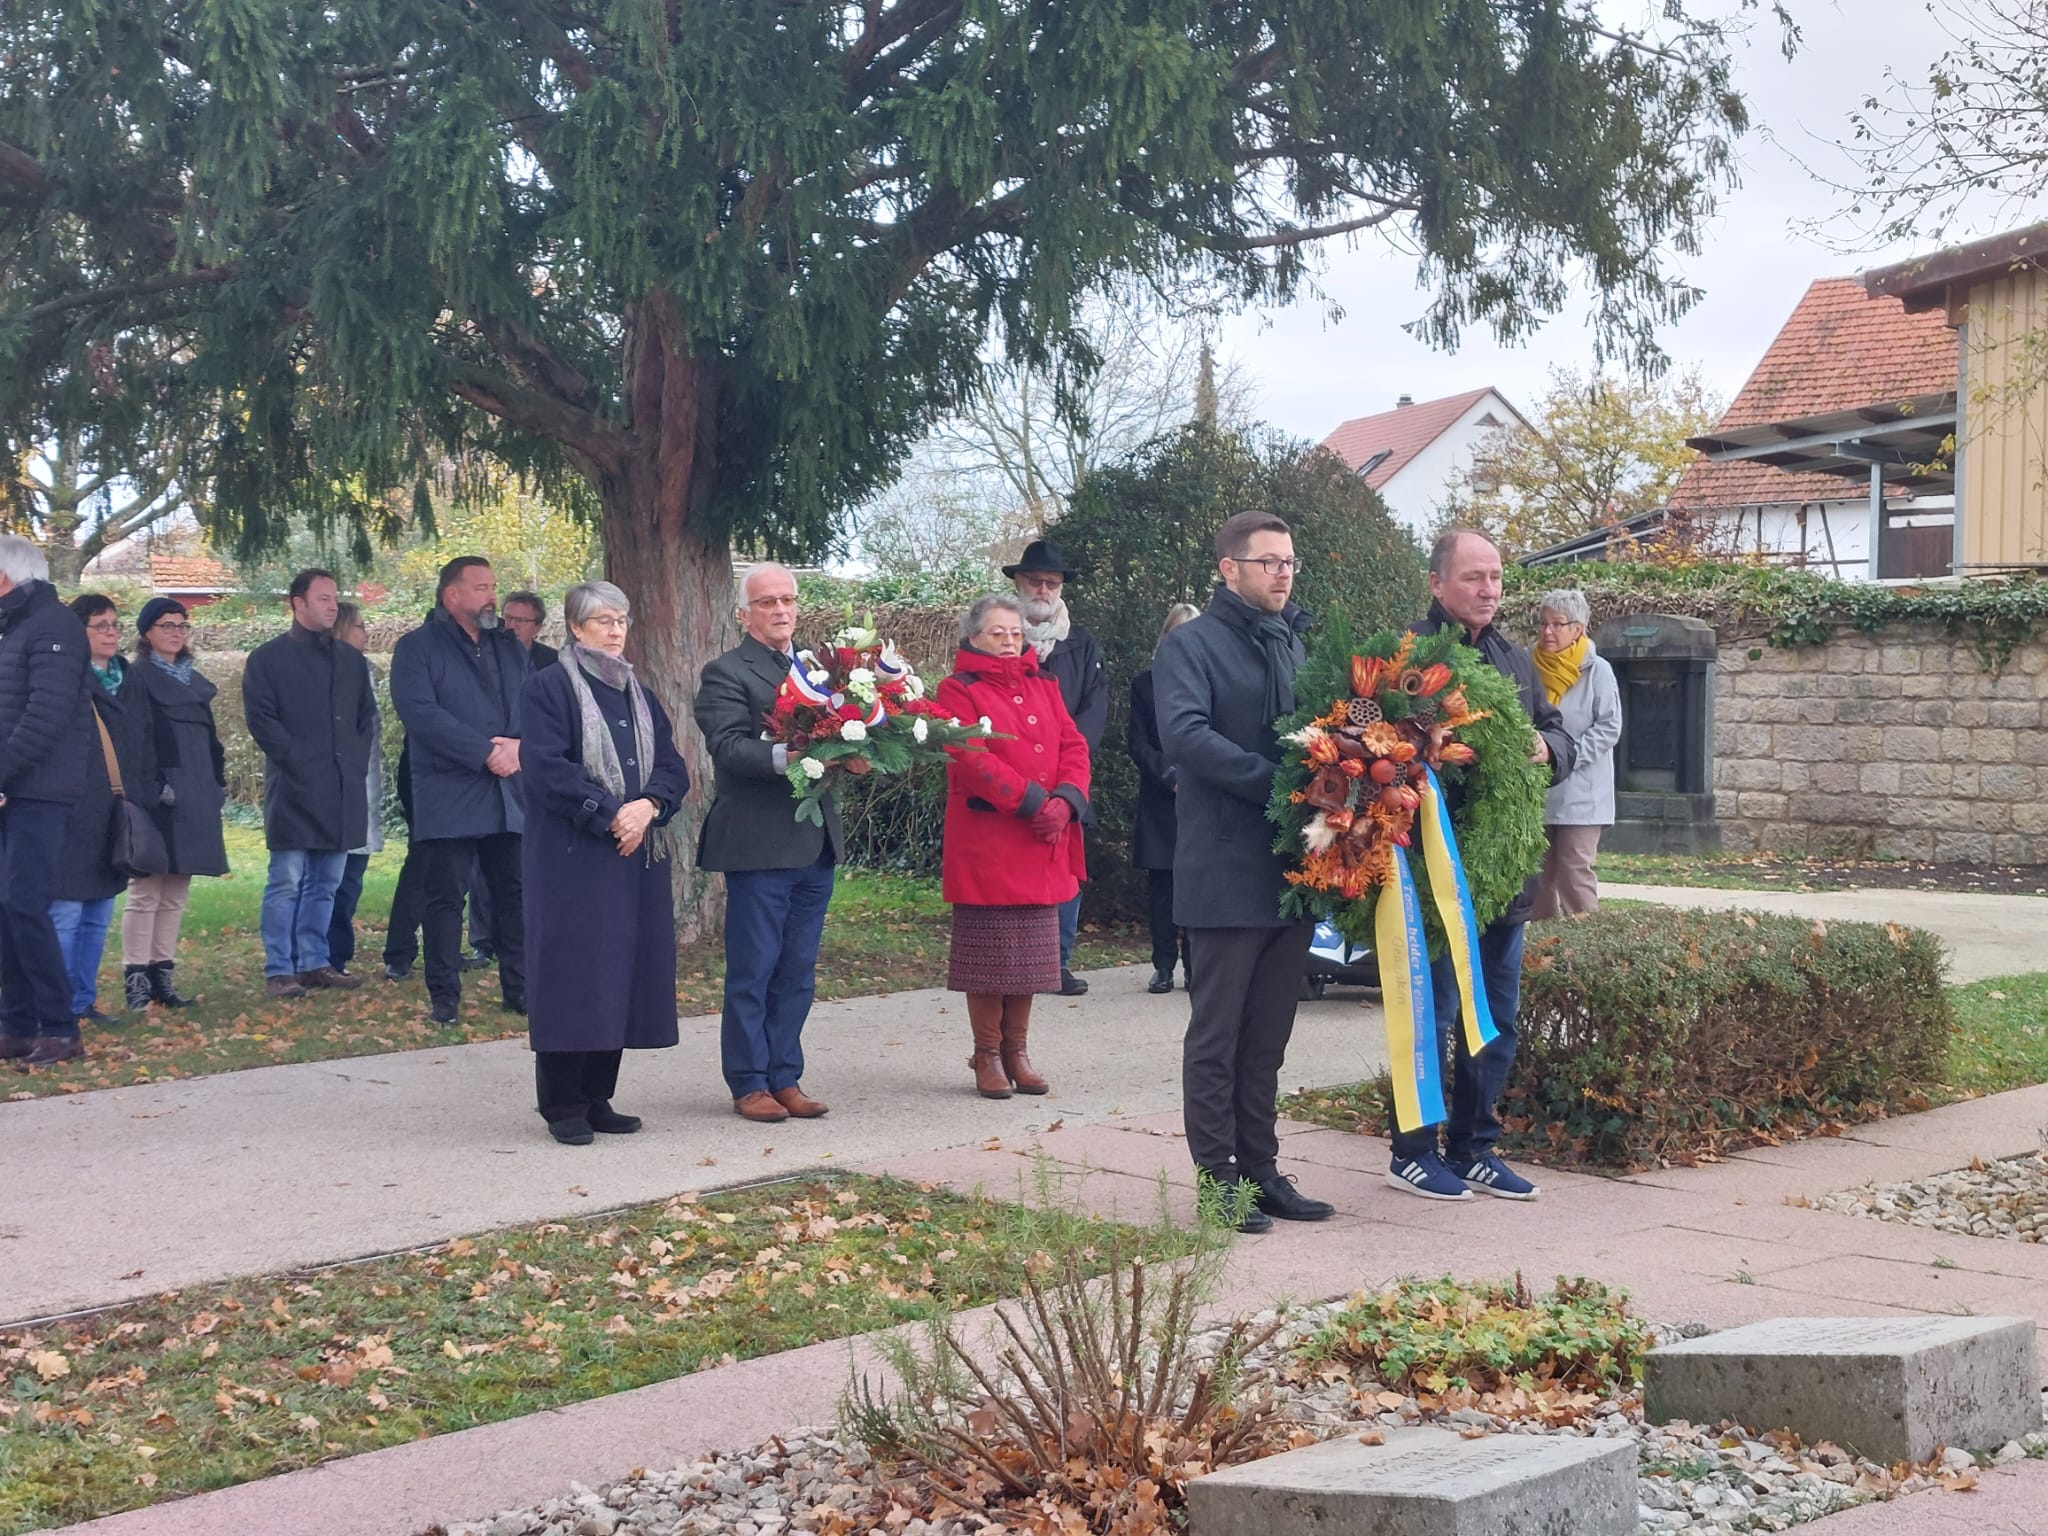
point(800, 1104)
point(759, 1106)
point(328, 976)
point(13, 1046)
point(51, 1049)
point(283, 986)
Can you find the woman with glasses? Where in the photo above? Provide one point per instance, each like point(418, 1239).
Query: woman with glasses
point(1578, 680)
point(598, 758)
point(188, 794)
point(86, 882)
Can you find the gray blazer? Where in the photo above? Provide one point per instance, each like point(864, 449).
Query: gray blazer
point(1592, 713)
point(752, 822)
point(1209, 680)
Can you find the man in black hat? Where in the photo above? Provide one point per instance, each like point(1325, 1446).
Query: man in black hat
point(1068, 654)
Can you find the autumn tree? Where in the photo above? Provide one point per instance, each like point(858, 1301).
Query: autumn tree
point(718, 263)
point(1596, 450)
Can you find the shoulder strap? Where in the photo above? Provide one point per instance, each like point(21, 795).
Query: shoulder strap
point(107, 747)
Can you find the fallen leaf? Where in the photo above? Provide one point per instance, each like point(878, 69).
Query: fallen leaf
point(48, 1364)
point(1372, 1437)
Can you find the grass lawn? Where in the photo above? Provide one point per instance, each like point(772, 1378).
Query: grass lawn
point(220, 1385)
point(886, 933)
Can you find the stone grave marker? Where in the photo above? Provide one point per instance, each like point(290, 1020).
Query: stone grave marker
point(1426, 1482)
point(1891, 1388)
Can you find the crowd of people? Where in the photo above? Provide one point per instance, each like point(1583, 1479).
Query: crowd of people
point(539, 786)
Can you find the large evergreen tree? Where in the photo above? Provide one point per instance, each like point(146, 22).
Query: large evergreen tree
point(717, 263)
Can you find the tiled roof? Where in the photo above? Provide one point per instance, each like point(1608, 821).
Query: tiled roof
point(1401, 433)
point(188, 573)
point(1840, 350)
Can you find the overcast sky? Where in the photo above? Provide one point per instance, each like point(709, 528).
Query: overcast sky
point(1312, 374)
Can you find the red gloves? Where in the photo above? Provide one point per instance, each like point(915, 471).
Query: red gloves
point(1051, 818)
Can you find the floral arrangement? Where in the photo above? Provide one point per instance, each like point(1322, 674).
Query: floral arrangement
point(858, 705)
point(1376, 720)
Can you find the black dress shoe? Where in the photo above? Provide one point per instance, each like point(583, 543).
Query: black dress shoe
point(1231, 1190)
point(13, 1047)
point(609, 1122)
point(571, 1133)
point(1162, 981)
point(516, 1003)
point(1071, 985)
point(397, 972)
point(1279, 1197)
point(443, 1013)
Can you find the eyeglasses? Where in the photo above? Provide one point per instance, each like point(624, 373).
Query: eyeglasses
point(786, 600)
point(1272, 565)
point(609, 621)
point(171, 626)
point(105, 626)
point(1558, 624)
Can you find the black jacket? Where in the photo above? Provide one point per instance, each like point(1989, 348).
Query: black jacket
point(312, 708)
point(1210, 681)
point(542, 656)
point(1152, 814)
point(752, 822)
point(1075, 663)
point(44, 716)
point(1516, 664)
point(83, 873)
point(190, 763)
point(454, 694)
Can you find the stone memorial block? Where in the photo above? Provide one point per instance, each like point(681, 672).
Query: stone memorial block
point(1426, 1482)
point(1891, 1388)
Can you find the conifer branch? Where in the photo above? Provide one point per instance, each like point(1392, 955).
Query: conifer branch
point(120, 293)
point(529, 410)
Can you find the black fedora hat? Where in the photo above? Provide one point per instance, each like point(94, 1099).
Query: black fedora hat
point(1044, 555)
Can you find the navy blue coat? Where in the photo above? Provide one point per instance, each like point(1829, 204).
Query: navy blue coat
point(454, 695)
point(83, 873)
point(600, 928)
point(45, 716)
point(312, 708)
point(190, 762)
point(1153, 819)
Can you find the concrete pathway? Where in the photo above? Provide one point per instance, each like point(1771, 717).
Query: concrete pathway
point(1985, 935)
point(1718, 1244)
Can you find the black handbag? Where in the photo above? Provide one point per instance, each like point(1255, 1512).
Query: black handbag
point(134, 845)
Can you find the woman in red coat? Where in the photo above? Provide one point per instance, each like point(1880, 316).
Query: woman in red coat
point(1013, 839)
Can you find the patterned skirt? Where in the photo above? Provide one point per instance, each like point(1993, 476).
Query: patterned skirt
point(1005, 951)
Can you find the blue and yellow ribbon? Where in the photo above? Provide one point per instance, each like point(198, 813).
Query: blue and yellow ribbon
point(1454, 907)
point(1414, 1055)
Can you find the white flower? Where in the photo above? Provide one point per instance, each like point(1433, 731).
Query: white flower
point(1318, 834)
point(1306, 736)
point(853, 730)
point(913, 687)
point(860, 675)
point(820, 676)
point(813, 769)
point(919, 729)
point(954, 721)
point(988, 726)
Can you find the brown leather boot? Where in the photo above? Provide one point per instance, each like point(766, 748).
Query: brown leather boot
point(990, 1080)
point(1016, 1064)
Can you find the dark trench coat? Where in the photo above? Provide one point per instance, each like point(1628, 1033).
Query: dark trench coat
point(600, 929)
point(190, 759)
point(83, 873)
point(311, 707)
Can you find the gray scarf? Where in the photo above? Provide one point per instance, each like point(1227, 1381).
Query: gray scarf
point(1043, 637)
point(600, 756)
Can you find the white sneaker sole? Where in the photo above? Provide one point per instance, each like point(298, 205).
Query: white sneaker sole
point(1500, 1194)
point(1427, 1194)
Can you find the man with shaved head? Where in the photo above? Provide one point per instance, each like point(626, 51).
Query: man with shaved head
point(778, 870)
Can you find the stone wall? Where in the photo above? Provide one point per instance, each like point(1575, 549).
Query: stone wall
point(1893, 745)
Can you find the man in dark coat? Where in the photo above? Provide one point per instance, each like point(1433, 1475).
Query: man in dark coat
point(455, 682)
point(525, 612)
point(312, 708)
point(1068, 654)
point(778, 870)
point(45, 728)
point(1223, 680)
point(1465, 587)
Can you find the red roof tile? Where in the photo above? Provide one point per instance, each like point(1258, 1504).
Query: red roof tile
point(1840, 350)
point(188, 573)
point(1401, 433)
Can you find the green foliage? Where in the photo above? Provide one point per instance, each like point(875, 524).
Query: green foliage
point(1792, 607)
point(1438, 1336)
point(954, 586)
point(2001, 1038)
point(896, 825)
point(1142, 533)
point(1496, 802)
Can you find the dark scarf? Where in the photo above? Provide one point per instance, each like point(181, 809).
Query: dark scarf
point(1274, 636)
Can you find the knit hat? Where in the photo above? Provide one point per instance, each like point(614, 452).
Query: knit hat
point(155, 609)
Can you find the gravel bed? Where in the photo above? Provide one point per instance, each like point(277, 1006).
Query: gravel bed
point(1691, 1478)
point(2007, 1199)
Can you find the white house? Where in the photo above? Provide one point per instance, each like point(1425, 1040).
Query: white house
point(1419, 454)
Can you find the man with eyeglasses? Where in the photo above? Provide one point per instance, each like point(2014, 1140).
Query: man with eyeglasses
point(778, 870)
point(1220, 682)
point(455, 683)
point(525, 612)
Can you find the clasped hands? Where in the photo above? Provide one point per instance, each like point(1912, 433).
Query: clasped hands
point(504, 758)
point(629, 827)
point(1050, 820)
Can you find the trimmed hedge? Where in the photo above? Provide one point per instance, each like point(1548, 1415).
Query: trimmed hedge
point(1650, 1035)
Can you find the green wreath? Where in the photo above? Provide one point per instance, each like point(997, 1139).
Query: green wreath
point(1496, 801)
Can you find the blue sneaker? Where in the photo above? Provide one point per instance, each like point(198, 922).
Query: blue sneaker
point(1428, 1176)
point(1490, 1174)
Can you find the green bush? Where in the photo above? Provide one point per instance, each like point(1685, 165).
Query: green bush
point(1650, 1035)
point(1141, 530)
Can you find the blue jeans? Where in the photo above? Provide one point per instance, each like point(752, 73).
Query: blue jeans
point(1476, 1081)
point(341, 926)
point(82, 935)
point(774, 923)
point(1070, 924)
point(298, 904)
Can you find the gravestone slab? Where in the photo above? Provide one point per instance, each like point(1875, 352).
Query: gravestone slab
point(1426, 1482)
point(1891, 1388)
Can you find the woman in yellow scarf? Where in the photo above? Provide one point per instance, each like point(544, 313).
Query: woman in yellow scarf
point(1576, 679)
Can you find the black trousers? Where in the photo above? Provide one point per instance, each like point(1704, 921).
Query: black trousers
point(448, 861)
point(35, 988)
point(1242, 993)
point(568, 1085)
point(408, 907)
point(1167, 940)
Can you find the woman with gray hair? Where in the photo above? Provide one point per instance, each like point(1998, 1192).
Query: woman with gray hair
point(598, 758)
point(1581, 684)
